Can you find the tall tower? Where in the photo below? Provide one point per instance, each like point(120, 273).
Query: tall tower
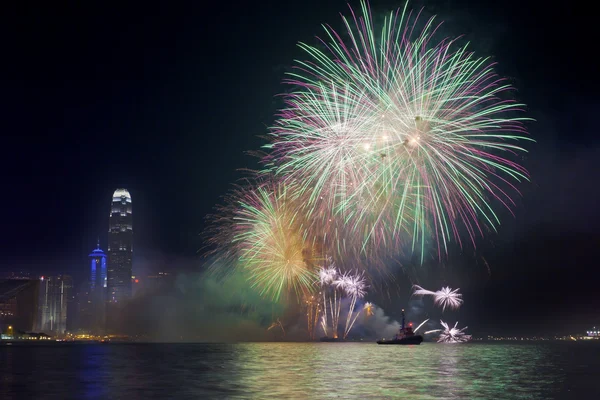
point(92, 312)
point(120, 247)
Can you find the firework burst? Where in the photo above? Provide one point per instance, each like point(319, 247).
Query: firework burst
point(369, 309)
point(354, 286)
point(400, 135)
point(336, 286)
point(265, 237)
point(451, 335)
point(445, 297)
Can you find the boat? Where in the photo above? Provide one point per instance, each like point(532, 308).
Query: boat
point(404, 336)
point(332, 340)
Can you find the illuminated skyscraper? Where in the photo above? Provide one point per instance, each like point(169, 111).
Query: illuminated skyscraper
point(55, 296)
point(98, 278)
point(92, 301)
point(120, 247)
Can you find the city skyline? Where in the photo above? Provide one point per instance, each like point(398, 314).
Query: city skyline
point(168, 139)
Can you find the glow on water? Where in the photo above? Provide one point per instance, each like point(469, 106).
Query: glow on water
point(533, 370)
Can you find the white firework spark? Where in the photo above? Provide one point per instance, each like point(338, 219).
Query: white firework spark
point(419, 291)
point(445, 297)
point(327, 274)
point(452, 335)
point(354, 286)
point(420, 325)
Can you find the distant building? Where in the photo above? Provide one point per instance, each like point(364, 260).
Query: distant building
point(92, 299)
point(55, 297)
point(120, 247)
point(16, 275)
point(158, 280)
point(19, 304)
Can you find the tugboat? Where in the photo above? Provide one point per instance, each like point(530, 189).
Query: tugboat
point(404, 336)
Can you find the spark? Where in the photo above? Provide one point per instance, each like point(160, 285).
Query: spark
point(445, 297)
point(451, 135)
point(451, 335)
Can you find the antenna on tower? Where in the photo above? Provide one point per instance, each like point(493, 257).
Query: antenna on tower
point(403, 318)
point(98, 243)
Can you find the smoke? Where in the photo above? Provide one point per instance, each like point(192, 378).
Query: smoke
point(198, 307)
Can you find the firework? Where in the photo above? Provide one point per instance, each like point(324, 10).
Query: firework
point(334, 286)
point(400, 135)
point(330, 291)
point(420, 325)
point(354, 287)
point(451, 335)
point(266, 238)
point(313, 310)
point(277, 324)
point(368, 308)
point(419, 291)
point(445, 297)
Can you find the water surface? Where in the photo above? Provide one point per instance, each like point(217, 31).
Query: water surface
point(541, 370)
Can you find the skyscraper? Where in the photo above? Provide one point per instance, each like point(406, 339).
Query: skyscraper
point(55, 297)
point(19, 303)
point(120, 247)
point(92, 307)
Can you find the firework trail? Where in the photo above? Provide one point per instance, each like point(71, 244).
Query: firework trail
point(420, 325)
point(329, 276)
point(326, 278)
point(277, 324)
point(445, 297)
point(334, 285)
point(313, 310)
point(399, 134)
point(419, 291)
point(354, 286)
point(451, 335)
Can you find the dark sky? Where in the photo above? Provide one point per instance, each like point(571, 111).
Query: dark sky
point(165, 100)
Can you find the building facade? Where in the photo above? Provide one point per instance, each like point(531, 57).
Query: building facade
point(92, 300)
point(56, 295)
point(120, 247)
point(19, 304)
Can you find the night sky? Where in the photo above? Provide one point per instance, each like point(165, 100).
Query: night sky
point(166, 101)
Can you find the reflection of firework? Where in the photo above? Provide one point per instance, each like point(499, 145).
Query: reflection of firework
point(396, 133)
point(451, 335)
point(445, 297)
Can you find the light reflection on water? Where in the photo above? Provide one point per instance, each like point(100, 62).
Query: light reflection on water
point(300, 371)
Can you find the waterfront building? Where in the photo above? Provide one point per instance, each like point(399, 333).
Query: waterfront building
point(55, 298)
point(92, 302)
point(19, 304)
point(120, 247)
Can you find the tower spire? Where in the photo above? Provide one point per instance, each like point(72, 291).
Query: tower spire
point(403, 318)
point(98, 243)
